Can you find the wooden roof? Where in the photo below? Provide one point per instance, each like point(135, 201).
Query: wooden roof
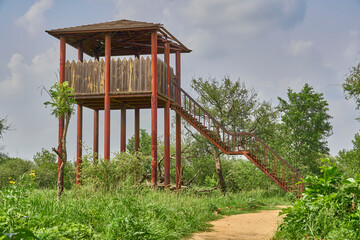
point(127, 37)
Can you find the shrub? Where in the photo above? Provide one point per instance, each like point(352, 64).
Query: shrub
point(329, 208)
point(14, 168)
point(124, 167)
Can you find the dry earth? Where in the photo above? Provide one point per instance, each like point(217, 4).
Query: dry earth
point(248, 226)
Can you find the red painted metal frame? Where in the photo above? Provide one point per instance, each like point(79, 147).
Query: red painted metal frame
point(167, 121)
point(79, 130)
point(137, 129)
point(154, 108)
point(96, 136)
point(123, 130)
point(178, 122)
point(79, 143)
point(61, 80)
point(107, 97)
point(243, 143)
point(96, 130)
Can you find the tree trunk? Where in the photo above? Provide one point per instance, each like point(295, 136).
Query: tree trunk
point(63, 156)
point(221, 180)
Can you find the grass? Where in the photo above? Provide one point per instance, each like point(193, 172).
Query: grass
point(129, 213)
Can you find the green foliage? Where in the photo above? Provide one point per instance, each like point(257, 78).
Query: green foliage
point(123, 167)
point(351, 86)
point(350, 159)
point(46, 168)
point(235, 106)
point(243, 175)
point(14, 203)
point(14, 168)
point(62, 101)
point(126, 213)
point(144, 143)
point(306, 125)
point(329, 208)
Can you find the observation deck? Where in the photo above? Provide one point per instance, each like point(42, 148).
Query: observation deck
point(130, 82)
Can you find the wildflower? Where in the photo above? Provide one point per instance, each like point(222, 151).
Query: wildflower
point(12, 182)
point(9, 178)
point(32, 173)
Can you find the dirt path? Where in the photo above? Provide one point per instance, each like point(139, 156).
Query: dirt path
point(248, 226)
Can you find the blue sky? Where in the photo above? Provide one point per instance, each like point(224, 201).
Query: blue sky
point(270, 44)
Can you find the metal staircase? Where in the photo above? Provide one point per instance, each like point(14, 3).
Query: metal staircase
point(239, 143)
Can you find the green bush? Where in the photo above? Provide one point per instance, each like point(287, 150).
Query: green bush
point(329, 208)
point(124, 167)
point(46, 168)
point(13, 167)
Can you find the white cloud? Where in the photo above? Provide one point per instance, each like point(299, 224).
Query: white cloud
point(299, 47)
point(12, 84)
point(216, 23)
point(33, 20)
point(246, 16)
point(23, 75)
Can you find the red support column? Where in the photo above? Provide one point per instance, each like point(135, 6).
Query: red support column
point(79, 130)
point(123, 130)
point(154, 108)
point(96, 136)
point(178, 125)
point(167, 121)
point(107, 97)
point(137, 129)
point(61, 80)
point(96, 129)
point(79, 143)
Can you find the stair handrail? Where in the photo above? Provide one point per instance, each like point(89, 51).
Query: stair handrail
point(233, 133)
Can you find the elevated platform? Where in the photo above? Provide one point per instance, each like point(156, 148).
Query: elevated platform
point(130, 83)
point(133, 100)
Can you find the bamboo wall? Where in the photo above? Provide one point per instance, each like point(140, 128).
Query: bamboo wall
point(126, 76)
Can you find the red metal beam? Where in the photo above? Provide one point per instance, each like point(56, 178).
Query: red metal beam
point(178, 124)
point(123, 130)
point(79, 143)
point(137, 129)
point(96, 136)
point(107, 97)
point(154, 108)
point(61, 80)
point(79, 129)
point(167, 121)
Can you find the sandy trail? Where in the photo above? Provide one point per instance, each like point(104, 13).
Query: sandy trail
point(248, 226)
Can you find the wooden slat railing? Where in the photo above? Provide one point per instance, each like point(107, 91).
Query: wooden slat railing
point(126, 76)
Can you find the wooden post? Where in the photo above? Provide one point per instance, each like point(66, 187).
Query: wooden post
point(178, 124)
point(137, 129)
point(79, 129)
point(123, 130)
point(107, 97)
point(61, 80)
point(154, 108)
point(167, 121)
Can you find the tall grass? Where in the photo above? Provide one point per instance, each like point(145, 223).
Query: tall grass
point(127, 213)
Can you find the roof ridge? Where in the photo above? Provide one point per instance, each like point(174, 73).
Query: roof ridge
point(115, 24)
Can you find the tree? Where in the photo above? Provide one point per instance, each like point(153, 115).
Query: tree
point(350, 159)
point(351, 86)
point(4, 126)
point(144, 143)
point(305, 127)
point(62, 105)
point(235, 107)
